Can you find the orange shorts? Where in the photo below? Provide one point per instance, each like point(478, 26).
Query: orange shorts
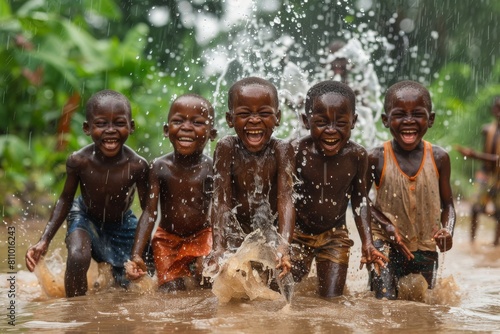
point(174, 254)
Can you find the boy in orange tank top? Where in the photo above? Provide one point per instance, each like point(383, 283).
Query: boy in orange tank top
point(413, 211)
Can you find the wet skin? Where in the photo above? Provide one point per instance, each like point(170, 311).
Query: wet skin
point(408, 120)
point(107, 172)
point(252, 169)
point(332, 171)
point(182, 179)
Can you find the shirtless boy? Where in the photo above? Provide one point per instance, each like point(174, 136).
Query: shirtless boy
point(100, 222)
point(331, 169)
point(413, 198)
point(252, 170)
point(181, 181)
point(488, 177)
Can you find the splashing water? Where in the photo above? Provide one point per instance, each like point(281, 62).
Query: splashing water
point(256, 51)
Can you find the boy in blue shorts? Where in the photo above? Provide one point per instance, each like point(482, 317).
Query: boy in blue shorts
point(100, 222)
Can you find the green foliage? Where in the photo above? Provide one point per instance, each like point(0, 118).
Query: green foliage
point(54, 51)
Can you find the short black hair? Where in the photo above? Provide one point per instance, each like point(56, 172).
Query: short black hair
point(329, 86)
point(251, 81)
point(403, 85)
point(98, 97)
point(210, 107)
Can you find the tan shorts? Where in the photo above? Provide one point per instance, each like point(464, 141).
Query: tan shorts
point(333, 245)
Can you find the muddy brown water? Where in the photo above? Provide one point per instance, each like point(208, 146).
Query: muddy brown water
point(467, 299)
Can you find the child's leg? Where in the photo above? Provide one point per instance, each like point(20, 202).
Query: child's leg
point(496, 239)
point(78, 262)
point(301, 258)
point(385, 284)
point(331, 278)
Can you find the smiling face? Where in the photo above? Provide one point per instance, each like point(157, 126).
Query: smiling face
point(190, 125)
point(109, 124)
point(254, 115)
point(330, 122)
point(408, 117)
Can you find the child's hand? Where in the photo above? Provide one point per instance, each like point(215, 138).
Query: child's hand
point(444, 240)
point(372, 256)
point(284, 263)
point(465, 151)
point(135, 268)
point(34, 253)
point(395, 237)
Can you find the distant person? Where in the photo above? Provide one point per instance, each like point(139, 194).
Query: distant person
point(181, 182)
point(331, 171)
point(100, 222)
point(413, 210)
point(488, 177)
point(349, 63)
point(253, 171)
point(339, 66)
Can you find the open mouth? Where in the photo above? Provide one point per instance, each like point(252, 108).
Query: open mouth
point(409, 136)
point(185, 141)
point(254, 135)
point(110, 144)
point(330, 145)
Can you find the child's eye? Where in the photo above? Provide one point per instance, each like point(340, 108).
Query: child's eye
point(100, 124)
point(242, 114)
point(121, 124)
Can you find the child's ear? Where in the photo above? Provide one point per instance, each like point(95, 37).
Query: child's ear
point(132, 126)
point(305, 121)
point(278, 117)
point(354, 119)
point(213, 134)
point(385, 120)
point(432, 116)
point(86, 128)
point(165, 130)
point(229, 119)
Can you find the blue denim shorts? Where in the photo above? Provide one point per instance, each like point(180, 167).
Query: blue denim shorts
point(111, 243)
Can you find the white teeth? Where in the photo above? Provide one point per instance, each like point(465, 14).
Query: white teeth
point(186, 139)
point(331, 141)
point(254, 132)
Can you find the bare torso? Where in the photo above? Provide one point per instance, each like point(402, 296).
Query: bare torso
point(326, 185)
point(108, 188)
point(184, 194)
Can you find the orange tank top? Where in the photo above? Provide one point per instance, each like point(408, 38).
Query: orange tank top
point(413, 203)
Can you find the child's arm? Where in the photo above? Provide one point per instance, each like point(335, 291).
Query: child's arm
point(136, 267)
point(220, 212)
point(375, 163)
point(470, 153)
point(361, 212)
point(444, 236)
point(286, 208)
point(58, 215)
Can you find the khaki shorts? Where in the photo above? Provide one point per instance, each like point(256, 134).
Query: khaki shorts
point(333, 245)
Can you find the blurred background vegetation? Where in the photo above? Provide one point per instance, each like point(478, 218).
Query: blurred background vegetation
point(54, 54)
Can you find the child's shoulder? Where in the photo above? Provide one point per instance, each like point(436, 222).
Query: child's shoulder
point(376, 151)
point(228, 141)
point(439, 153)
point(81, 156)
